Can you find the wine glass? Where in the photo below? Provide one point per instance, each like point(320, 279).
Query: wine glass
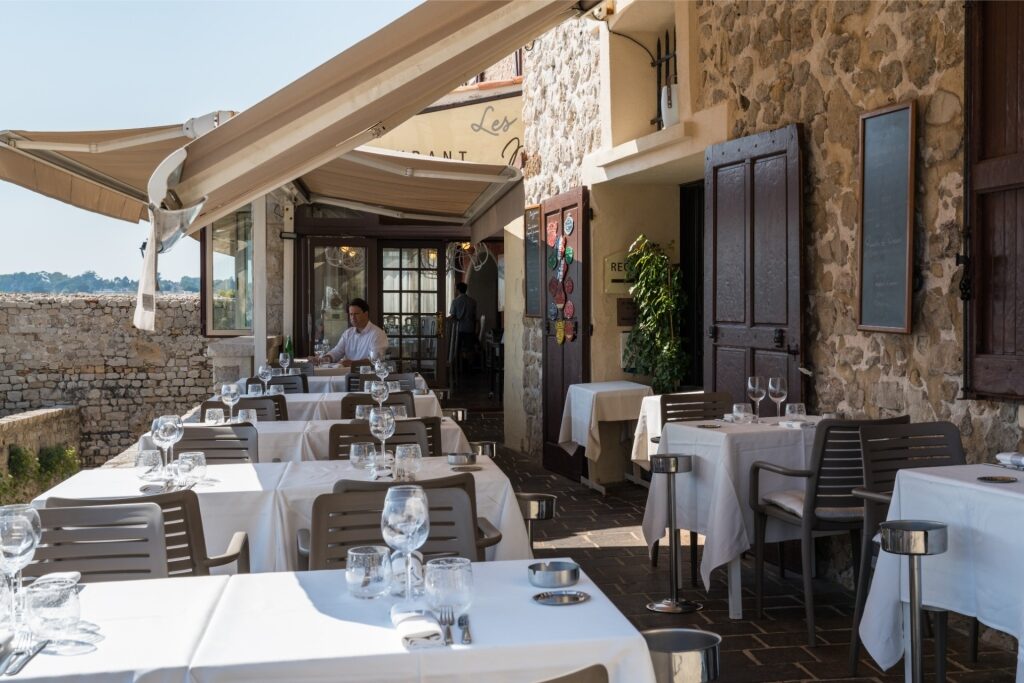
point(18, 541)
point(755, 392)
point(167, 430)
point(380, 368)
point(379, 392)
point(265, 373)
point(777, 392)
point(229, 396)
point(382, 427)
point(408, 460)
point(405, 524)
point(285, 360)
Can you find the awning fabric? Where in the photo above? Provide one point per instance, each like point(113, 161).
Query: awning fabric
point(356, 96)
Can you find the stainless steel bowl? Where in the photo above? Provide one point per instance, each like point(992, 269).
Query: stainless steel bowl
point(554, 574)
point(462, 458)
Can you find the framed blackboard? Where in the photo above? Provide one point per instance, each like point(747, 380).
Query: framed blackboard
point(885, 243)
point(533, 241)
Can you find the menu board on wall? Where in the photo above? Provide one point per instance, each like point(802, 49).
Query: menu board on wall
point(885, 240)
point(534, 275)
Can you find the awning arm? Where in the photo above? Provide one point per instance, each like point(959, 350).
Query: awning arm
point(383, 211)
point(409, 172)
point(192, 129)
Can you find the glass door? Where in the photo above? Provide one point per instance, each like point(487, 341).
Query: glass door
point(336, 271)
point(412, 307)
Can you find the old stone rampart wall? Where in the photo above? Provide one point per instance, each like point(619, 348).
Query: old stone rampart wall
point(82, 350)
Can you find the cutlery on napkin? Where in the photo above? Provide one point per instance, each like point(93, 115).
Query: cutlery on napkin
point(417, 627)
point(1012, 459)
point(19, 662)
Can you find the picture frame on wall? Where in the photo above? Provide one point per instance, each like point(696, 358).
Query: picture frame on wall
point(885, 235)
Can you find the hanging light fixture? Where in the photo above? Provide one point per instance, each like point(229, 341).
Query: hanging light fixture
point(461, 256)
point(346, 257)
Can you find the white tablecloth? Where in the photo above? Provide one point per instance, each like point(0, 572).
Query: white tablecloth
point(328, 406)
point(588, 404)
point(149, 632)
point(495, 500)
point(306, 627)
point(978, 575)
point(713, 498)
point(234, 498)
point(648, 424)
point(327, 383)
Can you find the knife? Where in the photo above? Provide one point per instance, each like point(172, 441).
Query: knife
point(19, 664)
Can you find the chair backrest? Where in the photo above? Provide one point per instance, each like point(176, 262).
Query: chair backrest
point(592, 674)
point(699, 405)
point(406, 380)
point(293, 384)
point(837, 464)
point(104, 543)
point(893, 447)
point(222, 444)
point(341, 436)
point(182, 527)
point(268, 408)
point(398, 398)
point(434, 443)
point(350, 518)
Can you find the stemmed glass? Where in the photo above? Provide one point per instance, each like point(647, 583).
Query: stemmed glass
point(777, 392)
point(229, 396)
point(755, 392)
point(265, 373)
point(285, 360)
point(405, 524)
point(20, 533)
point(382, 427)
point(379, 392)
point(167, 430)
point(380, 368)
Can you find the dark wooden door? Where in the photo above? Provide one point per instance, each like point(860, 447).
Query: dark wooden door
point(993, 286)
point(565, 226)
point(752, 283)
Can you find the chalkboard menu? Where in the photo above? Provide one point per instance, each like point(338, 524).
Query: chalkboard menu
point(885, 240)
point(533, 241)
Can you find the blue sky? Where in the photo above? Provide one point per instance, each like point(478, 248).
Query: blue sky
point(100, 65)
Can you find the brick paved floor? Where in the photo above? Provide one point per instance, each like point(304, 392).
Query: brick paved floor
point(603, 534)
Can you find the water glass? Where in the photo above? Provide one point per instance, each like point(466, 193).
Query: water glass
point(742, 414)
point(363, 412)
point(52, 608)
point(365, 369)
point(248, 415)
point(197, 464)
point(361, 455)
point(276, 390)
point(394, 386)
point(254, 390)
point(368, 571)
point(408, 460)
point(796, 411)
point(448, 582)
point(400, 412)
point(181, 473)
point(148, 465)
point(214, 416)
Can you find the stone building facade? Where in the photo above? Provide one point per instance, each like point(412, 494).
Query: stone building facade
point(82, 350)
point(819, 64)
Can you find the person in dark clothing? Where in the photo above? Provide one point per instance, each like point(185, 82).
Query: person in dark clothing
point(463, 312)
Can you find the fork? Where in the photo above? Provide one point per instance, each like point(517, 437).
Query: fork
point(447, 620)
point(20, 646)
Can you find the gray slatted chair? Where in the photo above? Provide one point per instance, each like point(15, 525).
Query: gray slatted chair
point(696, 405)
point(406, 380)
point(182, 526)
point(435, 446)
point(592, 674)
point(350, 518)
point(222, 444)
point(887, 450)
point(104, 543)
point(341, 436)
point(826, 503)
point(398, 398)
point(268, 408)
point(293, 384)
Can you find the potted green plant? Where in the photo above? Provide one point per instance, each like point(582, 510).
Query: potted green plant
point(654, 347)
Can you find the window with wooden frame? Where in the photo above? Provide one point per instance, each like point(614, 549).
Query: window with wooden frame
point(227, 274)
point(993, 280)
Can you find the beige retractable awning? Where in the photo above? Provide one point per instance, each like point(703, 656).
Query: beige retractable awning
point(356, 96)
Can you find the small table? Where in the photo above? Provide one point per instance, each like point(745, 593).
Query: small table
point(328, 406)
point(589, 405)
point(713, 498)
point(978, 575)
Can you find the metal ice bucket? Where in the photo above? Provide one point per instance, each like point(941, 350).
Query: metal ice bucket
point(683, 655)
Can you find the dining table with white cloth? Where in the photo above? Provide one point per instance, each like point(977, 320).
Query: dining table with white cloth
point(270, 501)
point(328, 406)
point(648, 426)
point(713, 498)
point(589, 404)
point(978, 575)
point(306, 626)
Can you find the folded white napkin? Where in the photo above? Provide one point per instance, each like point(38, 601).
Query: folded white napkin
point(796, 424)
point(58, 576)
point(417, 627)
point(728, 418)
point(1014, 459)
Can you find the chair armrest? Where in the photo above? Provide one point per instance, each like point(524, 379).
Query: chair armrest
point(755, 478)
point(303, 539)
point(487, 533)
point(238, 550)
point(873, 496)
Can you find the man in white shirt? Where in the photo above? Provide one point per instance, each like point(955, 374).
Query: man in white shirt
point(360, 339)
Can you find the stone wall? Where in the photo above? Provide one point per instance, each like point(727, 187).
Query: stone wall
point(561, 126)
point(82, 350)
point(822, 65)
point(38, 429)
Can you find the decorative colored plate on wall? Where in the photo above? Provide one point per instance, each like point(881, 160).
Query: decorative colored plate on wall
point(569, 310)
point(552, 310)
point(569, 226)
point(552, 233)
point(560, 331)
point(569, 254)
point(552, 260)
point(570, 330)
point(560, 298)
point(569, 284)
point(552, 286)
